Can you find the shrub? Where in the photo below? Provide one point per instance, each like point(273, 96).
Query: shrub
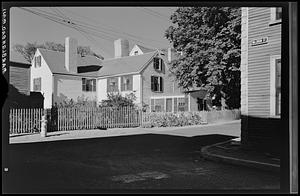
point(158, 119)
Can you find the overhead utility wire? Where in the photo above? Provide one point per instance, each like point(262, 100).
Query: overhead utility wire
point(64, 19)
point(114, 30)
point(82, 31)
point(64, 22)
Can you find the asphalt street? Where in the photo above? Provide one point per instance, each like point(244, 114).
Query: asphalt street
point(166, 162)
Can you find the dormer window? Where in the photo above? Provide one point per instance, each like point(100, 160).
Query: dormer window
point(37, 61)
point(136, 52)
point(158, 64)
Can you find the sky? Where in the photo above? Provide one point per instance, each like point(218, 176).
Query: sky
point(96, 27)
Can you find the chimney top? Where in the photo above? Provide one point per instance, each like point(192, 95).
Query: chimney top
point(121, 48)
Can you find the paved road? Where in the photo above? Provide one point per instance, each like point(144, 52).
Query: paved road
point(149, 162)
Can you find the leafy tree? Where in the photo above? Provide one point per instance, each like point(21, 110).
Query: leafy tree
point(117, 100)
point(28, 50)
point(209, 39)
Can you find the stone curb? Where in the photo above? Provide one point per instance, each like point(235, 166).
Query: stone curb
point(236, 161)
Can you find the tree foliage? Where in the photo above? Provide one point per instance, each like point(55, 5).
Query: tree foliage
point(28, 50)
point(117, 100)
point(210, 41)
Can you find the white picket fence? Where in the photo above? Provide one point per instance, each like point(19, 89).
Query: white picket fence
point(76, 118)
point(25, 120)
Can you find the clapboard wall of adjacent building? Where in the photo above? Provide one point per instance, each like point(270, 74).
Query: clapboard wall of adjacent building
point(20, 77)
point(260, 27)
point(261, 39)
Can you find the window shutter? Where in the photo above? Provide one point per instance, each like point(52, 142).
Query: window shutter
point(155, 63)
point(161, 65)
point(161, 84)
point(152, 83)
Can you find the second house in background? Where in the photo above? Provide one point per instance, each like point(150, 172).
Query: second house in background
point(145, 72)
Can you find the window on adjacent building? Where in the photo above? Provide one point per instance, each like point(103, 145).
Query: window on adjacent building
point(112, 84)
point(278, 86)
point(37, 83)
point(158, 64)
point(275, 98)
point(37, 61)
point(88, 84)
point(276, 15)
point(156, 84)
point(126, 83)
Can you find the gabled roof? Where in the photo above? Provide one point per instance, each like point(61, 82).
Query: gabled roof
point(144, 49)
point(56, 60)
point(17, 58)
point(109, 67)
point(128, 64)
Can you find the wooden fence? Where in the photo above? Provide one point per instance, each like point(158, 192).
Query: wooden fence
point(76, 118)
point(25, 120)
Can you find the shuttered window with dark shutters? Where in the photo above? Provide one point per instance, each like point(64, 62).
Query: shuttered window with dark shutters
point(156, 84)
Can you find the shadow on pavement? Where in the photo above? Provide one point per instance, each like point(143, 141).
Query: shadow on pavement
point(61, 166)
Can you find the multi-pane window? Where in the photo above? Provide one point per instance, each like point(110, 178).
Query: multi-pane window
point(37, 82)
point(278, 13)
point(158, 64)
point(156, 84)
point(158, 105)
point(126, 83)
point(88, 84)
point(37, 61)
point(277, 86)
point(112, 84)
point(182, 104)
point(169, 104)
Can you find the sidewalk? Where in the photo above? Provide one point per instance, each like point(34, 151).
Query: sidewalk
point(231, 152)
point(231, 128)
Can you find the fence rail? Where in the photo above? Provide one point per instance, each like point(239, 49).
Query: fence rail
point(76, 118)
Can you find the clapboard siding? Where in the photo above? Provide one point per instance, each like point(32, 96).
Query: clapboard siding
point(259, 59)
point(20, 78)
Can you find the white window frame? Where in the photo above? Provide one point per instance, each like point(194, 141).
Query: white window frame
point(273, 59)
point(165, 101)
point(273, 20)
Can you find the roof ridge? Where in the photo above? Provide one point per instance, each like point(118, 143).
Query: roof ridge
point(64, 52)
point(129, 56)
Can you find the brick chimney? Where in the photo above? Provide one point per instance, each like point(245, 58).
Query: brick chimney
point(71, 54)
point(121, 48)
